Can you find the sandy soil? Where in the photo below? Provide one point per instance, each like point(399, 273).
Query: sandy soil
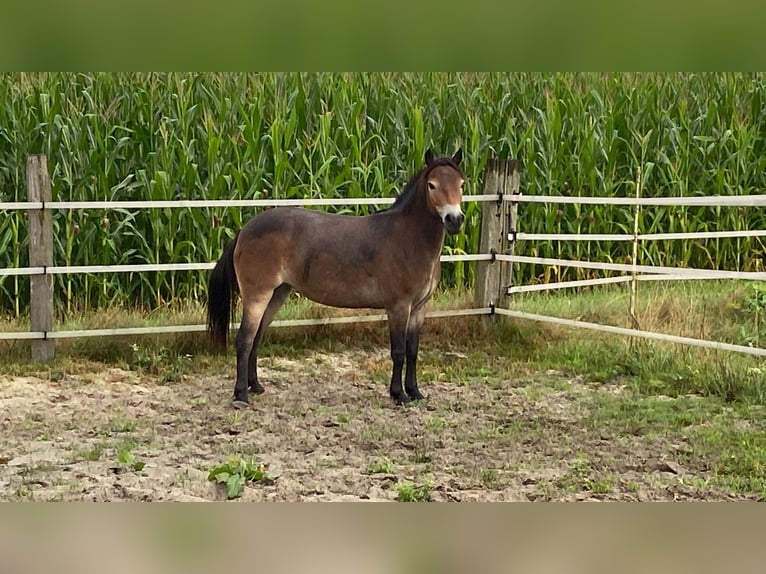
point(320, 425)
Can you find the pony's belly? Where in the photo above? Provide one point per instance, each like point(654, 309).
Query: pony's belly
point(344, 296)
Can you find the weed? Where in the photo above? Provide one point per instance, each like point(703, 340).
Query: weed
point(160, 361)
point(93, 453)
point(490, 478)
point(582, 477)
point(407, 491)
point(384, 466)
point(436, 423)
point(120, 424)
point(421, 456)
point(126, 457)
point(343, 418)
point(236, 471)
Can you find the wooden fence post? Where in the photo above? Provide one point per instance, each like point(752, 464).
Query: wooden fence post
point(488, 278)
point(40, 255)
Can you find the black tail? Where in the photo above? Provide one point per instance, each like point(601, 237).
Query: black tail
point(221, 296)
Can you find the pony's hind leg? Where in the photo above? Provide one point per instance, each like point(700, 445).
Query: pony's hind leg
point(278, 299)
point(252, 315)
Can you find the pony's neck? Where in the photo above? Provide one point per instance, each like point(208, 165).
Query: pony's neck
point(429, 224)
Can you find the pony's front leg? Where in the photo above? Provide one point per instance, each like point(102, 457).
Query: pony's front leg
point(413, 339)
point(397, 325)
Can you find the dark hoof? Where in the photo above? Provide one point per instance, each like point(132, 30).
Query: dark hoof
point(401, 399)
point(416, 396)
point(257, 389)
point(237, 404)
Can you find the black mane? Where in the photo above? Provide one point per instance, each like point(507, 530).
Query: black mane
point(410, 192)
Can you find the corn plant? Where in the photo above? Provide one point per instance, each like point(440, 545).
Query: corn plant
point(224, 136)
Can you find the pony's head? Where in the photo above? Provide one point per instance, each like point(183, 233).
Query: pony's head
point(444, 185)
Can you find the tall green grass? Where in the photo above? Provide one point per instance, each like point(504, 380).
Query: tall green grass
point(195, 136)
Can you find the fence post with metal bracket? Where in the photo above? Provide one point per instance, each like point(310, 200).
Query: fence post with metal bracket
point(40, 255)
point(489, 289)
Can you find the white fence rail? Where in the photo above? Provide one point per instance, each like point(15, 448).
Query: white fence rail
point(680, 201)
point(199, 203)
point(633, 332)
point(640, 236)
point(147, 267)
point(167, 329)
point(629, 268)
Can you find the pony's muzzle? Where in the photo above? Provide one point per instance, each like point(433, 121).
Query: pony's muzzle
point(453, 221)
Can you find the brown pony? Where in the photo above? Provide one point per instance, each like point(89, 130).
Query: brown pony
point(387, 260)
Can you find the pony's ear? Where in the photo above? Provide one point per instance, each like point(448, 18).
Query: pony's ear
point(429, 156)
point(458, 156)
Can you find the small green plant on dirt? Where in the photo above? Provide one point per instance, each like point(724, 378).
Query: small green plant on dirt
point(93, 452)
point(582, 477)
point(755, 303)
point(384, 466)
point(160, 362)
point(236, 471)
point(407, 491)
point(490, 478)
point(421, 456)
point(119, 423)
point(127, 458)
point(147, 359)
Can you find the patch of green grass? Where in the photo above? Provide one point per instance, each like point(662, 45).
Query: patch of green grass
point(582, 477)
point(509, 428)
point(436, 423)
point(705, 309)
point(629, 413)
point(43, 467)
point(490, 478)
point(421, 455)
point(23, 492)
point(168, 364)
point(183, 478)
point(378, 432)
point(125, 443)
point(735, 454)
point(32, 418)
point(235, 417)
point(121, 424)
point(383, 466)
point(407, 491)
point(93, 452)
point(534, 392)
point(630, 486)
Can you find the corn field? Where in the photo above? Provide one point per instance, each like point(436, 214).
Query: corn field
point(227, 136)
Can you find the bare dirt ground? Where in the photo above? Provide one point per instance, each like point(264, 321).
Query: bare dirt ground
point(322, 426)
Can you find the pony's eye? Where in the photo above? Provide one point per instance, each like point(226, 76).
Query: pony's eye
point(431, 186)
